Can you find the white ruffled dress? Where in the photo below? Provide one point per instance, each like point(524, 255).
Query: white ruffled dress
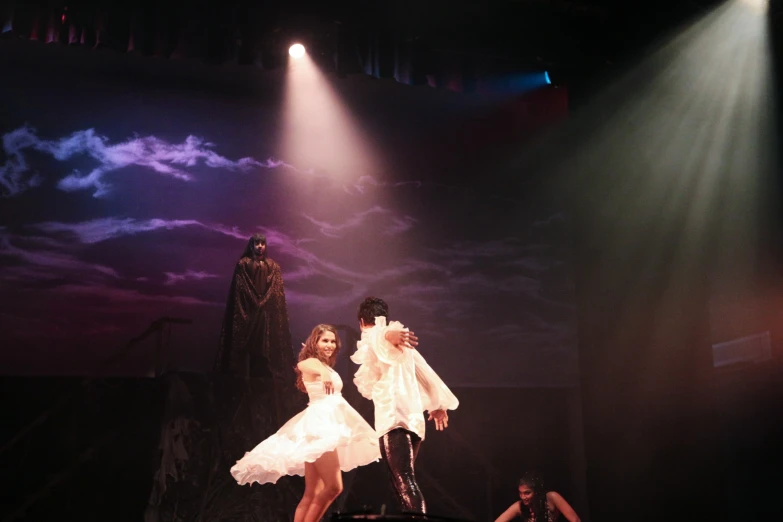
point(328, 423)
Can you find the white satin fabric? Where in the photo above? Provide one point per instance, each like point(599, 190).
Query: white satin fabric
point(328, 423)
point(399, 381)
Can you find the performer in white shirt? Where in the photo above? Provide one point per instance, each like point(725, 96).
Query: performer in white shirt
point(402, 386)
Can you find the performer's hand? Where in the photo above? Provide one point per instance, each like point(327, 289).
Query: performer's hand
point(402, 338)
point(441, 418)
point(326, 379)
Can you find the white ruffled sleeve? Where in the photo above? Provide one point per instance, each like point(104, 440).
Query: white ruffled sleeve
point(373, 354)
point(435, 395)
point(385, 351)
point(368, 373)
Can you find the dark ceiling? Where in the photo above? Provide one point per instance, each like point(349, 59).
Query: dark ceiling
point(570, 37)
point(559, 31)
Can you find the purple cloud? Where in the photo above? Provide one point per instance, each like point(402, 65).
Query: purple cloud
point(95, 231)
point(462, 256)
point(287, 245)
point(366, 183)
point(531, 264)
point(443, 283)
point(509, 255)
point(23, 273)
point(325, 303)
point(14, 175)
point(300, 273)
point(419, 291)
point(125, 295)
point(98, 230)
point(49, 262)
point(396, 225)
point(103, 229)
point(515, 284)
point(30, 327)
point(546, 335)
point(160, 156)
point(188, 275)
point(475, 250)
point(399, 225)
point(54, 266)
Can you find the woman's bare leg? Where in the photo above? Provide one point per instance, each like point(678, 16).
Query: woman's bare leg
point(313, 485)
point(328, 469)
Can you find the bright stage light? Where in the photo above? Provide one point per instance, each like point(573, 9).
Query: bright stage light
point(319, 131)
point(296, 51)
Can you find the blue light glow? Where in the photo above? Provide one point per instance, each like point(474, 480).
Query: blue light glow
point(520, 83)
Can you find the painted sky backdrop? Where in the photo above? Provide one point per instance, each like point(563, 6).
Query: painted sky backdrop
point(128, 199)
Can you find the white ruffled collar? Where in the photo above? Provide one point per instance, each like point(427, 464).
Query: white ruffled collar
point(380, 321)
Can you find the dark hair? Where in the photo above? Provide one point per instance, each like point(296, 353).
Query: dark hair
point(310, 349)
point(371, 308)
point(252, 242)
point(538, 510)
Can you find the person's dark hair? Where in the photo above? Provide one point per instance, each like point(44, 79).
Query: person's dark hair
point(310, 349)
point(371, 308)
point(538, 510)
point(252, 242)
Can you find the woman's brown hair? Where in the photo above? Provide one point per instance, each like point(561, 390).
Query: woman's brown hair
point(310, 350)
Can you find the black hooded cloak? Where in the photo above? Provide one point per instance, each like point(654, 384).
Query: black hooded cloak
point(255, 340)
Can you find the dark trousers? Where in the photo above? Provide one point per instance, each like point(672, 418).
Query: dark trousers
point(399, 448)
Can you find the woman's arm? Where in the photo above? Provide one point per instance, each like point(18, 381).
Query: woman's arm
point(562, 506)
point(510, 514)
point(312, 368)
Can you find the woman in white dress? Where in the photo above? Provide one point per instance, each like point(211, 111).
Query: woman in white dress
point(327, 437)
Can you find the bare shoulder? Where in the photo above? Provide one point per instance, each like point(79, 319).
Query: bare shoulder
point(554, 500)
point(309, 363)
point(557, 503)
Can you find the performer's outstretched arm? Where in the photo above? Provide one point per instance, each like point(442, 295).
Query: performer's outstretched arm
point(510, 514)
point(441, 418)
point(314, 368)
point(401, 339)
point(562, 506)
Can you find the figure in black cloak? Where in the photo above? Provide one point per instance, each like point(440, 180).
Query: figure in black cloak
point(255, 341)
